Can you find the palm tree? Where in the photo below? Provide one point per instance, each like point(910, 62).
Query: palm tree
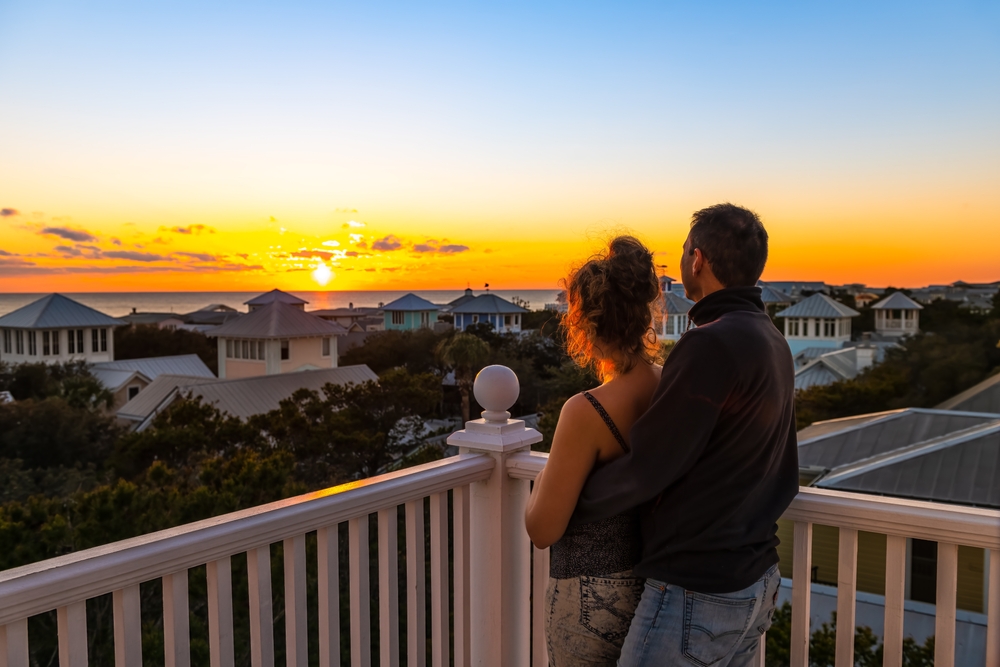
point(466, 355)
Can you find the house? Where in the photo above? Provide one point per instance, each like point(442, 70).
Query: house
point(410, 312)
point(817, 321)
point(467, 296)
point(57, 329)
point(667, 284)
point(279, 337)
point(865, 299)
point(820, 366)
point(983, 397)
point(897, 315)
point(800, 289)
point(674, 321)
point(159, 320)
point(368, 318)
point(773, 299)
point(125, 378)
point(241, 397)
point(489, 309)
point(275, 295)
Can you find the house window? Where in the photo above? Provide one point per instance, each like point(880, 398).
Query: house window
point(506, 320)
point(475, 319)
point(425, 319)
point(246, 349)
point(133, 391)
point(326, 347)
point(397, 317)
point(816, 325)
point(104, 340)
point(55, 343)
point(46, 348)
point(284, 350)
point(6, 341)
point(517, 320)
point(229, 349)
point(829, 328)
point(79, 341)
point(95, 344)
point(32, 345)
point(260, 350)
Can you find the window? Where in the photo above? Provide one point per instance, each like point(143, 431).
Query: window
point(829, 328)
point(284, 350)
point(260, 350)
point(507, 320)
point(425, 319)
point(229, 349)
point(397, 317)
point(133, 391)
point(816, 326)
point(32, 344)
point(79, 341)
point(104, 340)
point(517, 320)
point(245, 344)
point(46, 348)
point(19, 341)
point(6, 341)
point(55, 343)
point(326, 347)
point(95, 345)
point(475, 319)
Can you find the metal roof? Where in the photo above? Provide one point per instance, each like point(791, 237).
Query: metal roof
point(866, 436)
point(770, 295)
point(56, 311)
point(272, 296)
point(897, 301)
point(961, 467)
point(488, 303)
point(149, 400)
point(410, 302)
point(818, 305)
point(983, 397)
point(114, 379)
point(675, 304)
point(277, 320)
point(153, 367)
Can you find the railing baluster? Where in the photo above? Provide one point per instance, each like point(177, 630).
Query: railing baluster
point(128, 627)
point(220, 613)
point(895, 587)
point(539, 585)
point(388, 588)
point(261, 612)
point(946, 599)
point(993, 611)
point(176, 630)
point(72, 623)
point(460, 528)
point(847, 589)
point(328, 572)
point(14, 644)
point(416, 595)
point(361, 637)
point(801, 592)
point(296, 622)
point(439, 580)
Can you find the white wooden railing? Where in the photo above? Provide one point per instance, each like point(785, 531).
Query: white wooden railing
point(494, 614)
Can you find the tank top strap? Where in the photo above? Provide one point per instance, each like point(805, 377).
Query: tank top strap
point(607, 420)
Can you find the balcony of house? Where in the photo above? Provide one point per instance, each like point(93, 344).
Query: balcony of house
point(432, 565)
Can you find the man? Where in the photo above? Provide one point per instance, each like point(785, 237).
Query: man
point(713, 462)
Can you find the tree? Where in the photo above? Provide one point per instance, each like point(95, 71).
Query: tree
point(148, 340)
point(466, 354)
point(412, 350)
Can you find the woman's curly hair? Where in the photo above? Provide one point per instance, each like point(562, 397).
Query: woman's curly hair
point(612, 298)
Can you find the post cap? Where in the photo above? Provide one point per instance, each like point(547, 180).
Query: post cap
point(496, 388)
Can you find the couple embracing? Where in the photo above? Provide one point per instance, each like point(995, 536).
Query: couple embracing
point(663, 485)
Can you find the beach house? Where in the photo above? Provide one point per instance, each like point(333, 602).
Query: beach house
point(57, 329)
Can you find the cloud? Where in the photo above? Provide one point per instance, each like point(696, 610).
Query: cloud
point(432, 246)
point(353, 224)
point(424, 247)
point(452, 248)
point(387, 244)
point(390, 269)
point(331, 244)
point(190, 229)
point(308, 254)
point(135, 256)
point(116, 241)
point(352, 253)
point(77, 235)
point(4, 253)
point(67, 250)
point(345, 210)
point(243, 255)
point(201, 256)
point(370, 270)
point(7, 212)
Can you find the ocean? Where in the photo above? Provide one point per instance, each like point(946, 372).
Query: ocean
point(117, 304)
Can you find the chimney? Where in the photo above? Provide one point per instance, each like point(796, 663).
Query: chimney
point(865, 352)
point(350, 306)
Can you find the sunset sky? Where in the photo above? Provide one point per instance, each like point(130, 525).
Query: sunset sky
point(250, 145)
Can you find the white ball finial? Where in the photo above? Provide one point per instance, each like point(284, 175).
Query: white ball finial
point(496, 389)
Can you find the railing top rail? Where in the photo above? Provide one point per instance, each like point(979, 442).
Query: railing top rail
point(935, 522)
point(46, 585)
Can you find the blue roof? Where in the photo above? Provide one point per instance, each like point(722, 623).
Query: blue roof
point(488, 304)
point(675, 304)
point(56, 311)
point(818, 305)
point(897, 301)
point(410, 302)
point(770, 295)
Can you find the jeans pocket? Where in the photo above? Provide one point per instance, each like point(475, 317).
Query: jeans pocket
point(607, 606)
point(714, 626)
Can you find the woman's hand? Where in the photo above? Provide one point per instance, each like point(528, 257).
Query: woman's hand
point(572, 457)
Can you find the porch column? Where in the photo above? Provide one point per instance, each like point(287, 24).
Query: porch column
point(499, 549)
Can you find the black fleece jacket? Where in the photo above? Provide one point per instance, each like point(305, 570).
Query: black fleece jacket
point(714, 461)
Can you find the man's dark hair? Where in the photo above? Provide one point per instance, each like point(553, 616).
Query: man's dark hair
point(734, 242)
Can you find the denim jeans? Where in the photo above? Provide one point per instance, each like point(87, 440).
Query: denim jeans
point(674, 626)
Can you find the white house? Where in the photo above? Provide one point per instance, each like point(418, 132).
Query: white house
point(489, 308)
point(276, 338)
point(897, 315)
point(57, 329)
point(817, 321)
point(674, 321)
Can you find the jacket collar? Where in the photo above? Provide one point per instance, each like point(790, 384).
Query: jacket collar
point(727, 300)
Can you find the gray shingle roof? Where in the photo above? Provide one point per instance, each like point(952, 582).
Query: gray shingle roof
point(410, 302)
point(488, 303)
point(818, 305)
point(983, 397)
point(56, 311)
point(865, 436)
point(960, 467)
point(277, 320)
point(272, 296)
point(897, 301)
point(153, 367)
point(675, 304)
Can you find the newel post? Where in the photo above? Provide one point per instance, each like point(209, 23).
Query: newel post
point(499, 552)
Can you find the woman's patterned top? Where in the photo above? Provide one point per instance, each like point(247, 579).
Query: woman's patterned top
point(603, 547)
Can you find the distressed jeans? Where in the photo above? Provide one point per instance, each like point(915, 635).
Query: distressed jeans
point(676, 627)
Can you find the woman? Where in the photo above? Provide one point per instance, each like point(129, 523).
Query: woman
point(592, 594)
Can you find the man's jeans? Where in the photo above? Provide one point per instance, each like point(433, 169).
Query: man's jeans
point(673, 626)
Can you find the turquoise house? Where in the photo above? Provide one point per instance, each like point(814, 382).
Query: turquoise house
point(410, 312)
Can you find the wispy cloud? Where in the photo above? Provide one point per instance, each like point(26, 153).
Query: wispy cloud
point(135, 256)
point(309, 254)
point(190, 229)
point(201, 256)
point(4, 253)
point(433, 246)
point(78, 235)
point(7, 212)
point(353, 224)
point(387, 244)
point(346, 210)
point(68, 250)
